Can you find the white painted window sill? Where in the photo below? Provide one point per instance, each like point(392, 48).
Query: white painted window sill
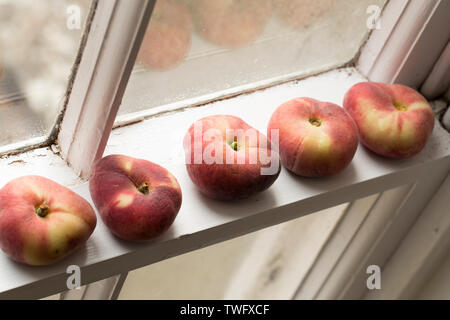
point(202, 221)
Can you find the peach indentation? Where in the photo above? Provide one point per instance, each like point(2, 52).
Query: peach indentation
point(42, 210)
point(400, 106)
point(144, 188)
point(315, 122)
point(234, 145)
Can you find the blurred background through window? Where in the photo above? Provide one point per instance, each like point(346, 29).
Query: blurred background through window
point(194, 48)
point(38, 45)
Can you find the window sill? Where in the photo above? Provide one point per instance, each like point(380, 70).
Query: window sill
point(202, 222)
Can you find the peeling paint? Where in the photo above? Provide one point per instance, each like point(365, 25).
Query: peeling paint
point(17, 163)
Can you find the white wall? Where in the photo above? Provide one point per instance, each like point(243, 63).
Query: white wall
point(267, 264)
point(438, 287)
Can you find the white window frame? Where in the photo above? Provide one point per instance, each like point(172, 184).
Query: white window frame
point(103, 72)
point(105, 67)
point(412, 36)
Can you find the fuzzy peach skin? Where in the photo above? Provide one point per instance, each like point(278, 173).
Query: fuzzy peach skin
point(42, 221)
point(231, 23)
point(315, 138)
point(167, 40)
point(137, 200)
point(237, 172)
point(393, 120)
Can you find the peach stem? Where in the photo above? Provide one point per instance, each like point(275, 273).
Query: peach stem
point(144, 188)
point(42, 210)
point(400, 106)
point(315, 122)
point(234, 144)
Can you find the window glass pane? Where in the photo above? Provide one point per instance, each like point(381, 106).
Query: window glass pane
point(38, 45)
point(193, 48)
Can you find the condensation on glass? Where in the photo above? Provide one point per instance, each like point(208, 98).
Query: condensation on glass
point(194, 48)
point(38, 45)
